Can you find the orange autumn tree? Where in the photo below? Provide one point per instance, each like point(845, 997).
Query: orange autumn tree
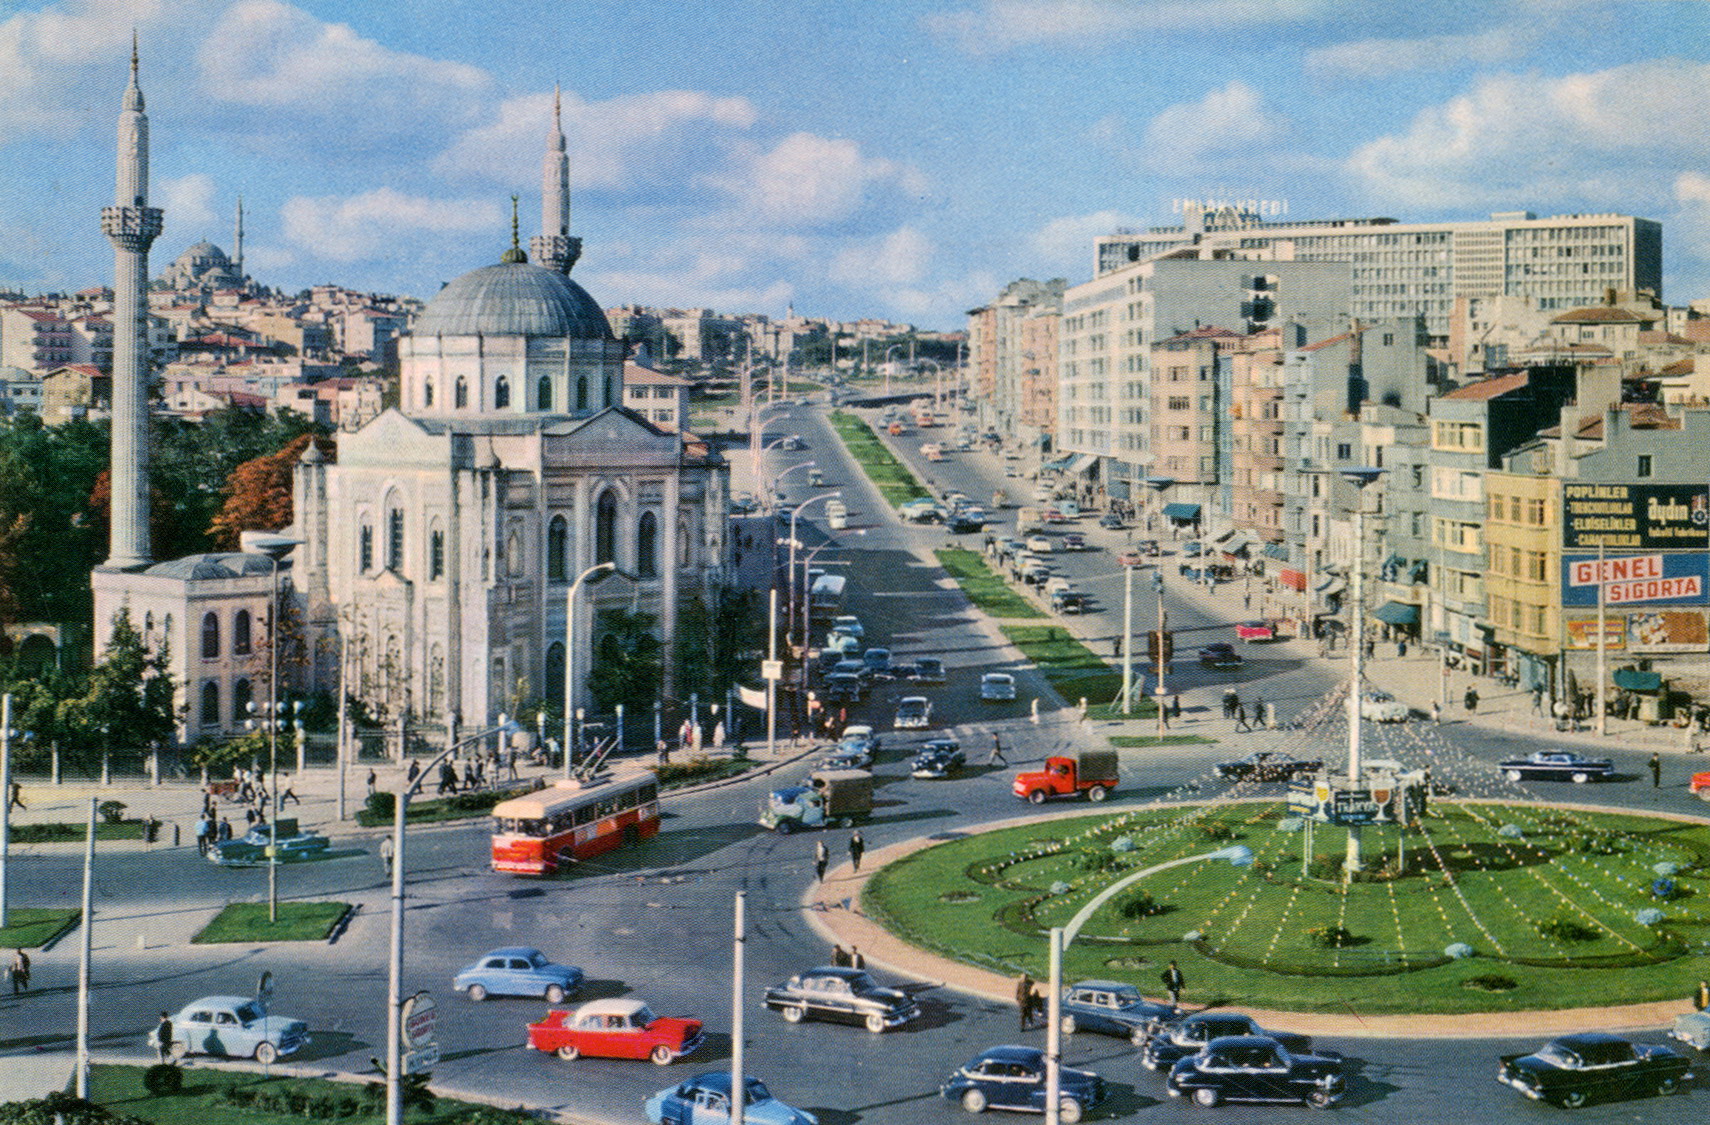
point(258, 493)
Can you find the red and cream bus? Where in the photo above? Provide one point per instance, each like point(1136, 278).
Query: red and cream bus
point(539, 832)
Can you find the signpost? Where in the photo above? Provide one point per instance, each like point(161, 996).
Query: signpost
point(420, 1026)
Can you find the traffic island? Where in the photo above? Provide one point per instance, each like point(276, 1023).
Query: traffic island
point(246, 923)
point(890, 476)
point(34, 927)
point(1499, 907)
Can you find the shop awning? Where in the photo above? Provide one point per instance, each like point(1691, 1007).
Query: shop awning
point(1043, 441)
point(1397, 613)
point(1331, 586)
point(1082, 463)
point(1631, 679)
point(1059, 463)
point(1182, 511)
point(1278, 551)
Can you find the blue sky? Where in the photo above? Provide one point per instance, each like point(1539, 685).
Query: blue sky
point(891, 158)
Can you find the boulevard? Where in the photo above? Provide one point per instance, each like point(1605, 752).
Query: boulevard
point(654, 921)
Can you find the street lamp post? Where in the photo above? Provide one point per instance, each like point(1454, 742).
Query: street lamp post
point(754, 446)
point(570, 659)
point(275, 547)
point(1359, 478)
point(888, 352)
point(791, 573)
point(772, 485)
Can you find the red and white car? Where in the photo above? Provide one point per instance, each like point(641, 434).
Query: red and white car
point(615, 1029)
point(1701, 785)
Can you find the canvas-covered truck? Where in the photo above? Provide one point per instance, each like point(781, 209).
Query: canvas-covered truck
point(830, 798)
point(1092, 772)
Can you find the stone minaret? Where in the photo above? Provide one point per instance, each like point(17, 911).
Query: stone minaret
point(132, 226)
point(237, 241)
point(553, 247)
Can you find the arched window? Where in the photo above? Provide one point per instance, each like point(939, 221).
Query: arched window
point(501, 393)
point(395, 540)
point(557, 549)
point(611, 649)
point(608, 390)
point(460, 396)
point(605, 528)
point(581, 392)
point(210, 636)
point(543, 393)
point(553, 689)
point(647, 545)
point(365, 549)
point(242, 693)
point(210, 704)
point(240, 633)
point(436, 555)
point(427, 393)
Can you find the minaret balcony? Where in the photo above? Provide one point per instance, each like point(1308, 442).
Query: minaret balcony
point(131, 228)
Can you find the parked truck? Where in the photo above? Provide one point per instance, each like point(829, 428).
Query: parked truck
point(1092, 772)
point(831, 797)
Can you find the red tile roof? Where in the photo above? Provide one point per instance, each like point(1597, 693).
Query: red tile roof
point(1487, 389)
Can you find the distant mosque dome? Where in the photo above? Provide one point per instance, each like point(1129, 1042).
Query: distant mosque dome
point(513, 298)
point(203, 266)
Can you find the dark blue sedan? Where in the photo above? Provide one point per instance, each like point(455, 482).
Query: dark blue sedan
point(1175, 1041)
point(1013, 1077)
point(1557, 765)
point(1113, 1008)
point(1254, 1068)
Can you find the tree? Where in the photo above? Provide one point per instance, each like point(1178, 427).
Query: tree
point(48, 544)
point(627, 663)
point(258, 493)
point(128, 698)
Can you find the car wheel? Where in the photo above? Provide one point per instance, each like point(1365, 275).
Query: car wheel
point(1068, 1111)
point(477, 993)
point(554, 994)
point(1581, 778)
point(786, 826)
point(1096, 793)
point(1573, 1099)
point(1037, 797)
point(179, 1049)
point(1205, 1096)
point(662, 1055)
point(1511, 775)
point(1320, 1099)
point(1667, 1086)
point(1068, 1025)
point(569, 1052)
point(266, 1053)
point(973, 1101)
point(794, 1013)
point(875, 1022)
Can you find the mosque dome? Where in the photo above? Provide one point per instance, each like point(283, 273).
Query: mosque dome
point(513, 298)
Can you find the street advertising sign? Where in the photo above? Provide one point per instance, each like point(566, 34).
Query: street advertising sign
point(1642, 517)
point(771, 669)
point(1668, 630)
point(1629, 579)
point(1582, 632)
point(1386, 798)
point(419, 1022)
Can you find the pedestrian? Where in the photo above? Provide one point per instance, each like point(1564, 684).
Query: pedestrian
point(1401, 648)
point(163, 1037)
point(386, 852)
point(1241, 723)
point(469, 779)
point(17, 798)
point(1656, 770)
point(1471, 698)
point(249, 818)
point(511, 764)
point(410, 774)
point(1701, 1000)
point(856, 847)
point(821, 860)
point(204, 833)
point(1176, 708)
point(839, 957)
point(1230, 702)
point(1024, 1000)
point(996, 758)
point(20, 970)
point(447, 778)
point(1173, 982)
point(663, 751)
point(1371, 648)
point(1436, 711)
point(225, 830)
point(1259, 715)
point(1538, 699)
point(290, 794)
point(371, 780)
point(856, 961)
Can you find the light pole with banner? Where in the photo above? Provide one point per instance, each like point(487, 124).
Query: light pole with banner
point(570, 662)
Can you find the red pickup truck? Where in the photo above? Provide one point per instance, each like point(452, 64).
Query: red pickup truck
point(1092, 772)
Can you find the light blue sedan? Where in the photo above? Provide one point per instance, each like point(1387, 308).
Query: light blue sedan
point(706, 1098)
point(518, 971)
point(233, 1027)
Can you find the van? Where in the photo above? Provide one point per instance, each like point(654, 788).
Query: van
point(1028, 519)
point(836, 515)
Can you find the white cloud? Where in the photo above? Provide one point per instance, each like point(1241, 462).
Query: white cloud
point(1225, 129)
point(348, 229)
point(944, 303)
point(998, 25)
point(188, 201)
point(808, 180)
point(1383, 58)
point(898, 258)
point(1064, 245)
point(611, 143)
point(1614, 137)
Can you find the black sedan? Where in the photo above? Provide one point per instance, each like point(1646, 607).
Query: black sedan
point(1256, 1068)
point(1112, 1008)
point(1577, 1069)
point(939, 758)
point(1220, 655)
point(1557, 765)
point(1267, 765)
point(841, 995)
point(1176, 1041)
point(1013, 1077)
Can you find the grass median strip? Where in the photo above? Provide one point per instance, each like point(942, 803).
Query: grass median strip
point(32, 927)
point(1073, 668)
point(893, 480)
point(247, 922)
point(1127, 741)
point(989, 593)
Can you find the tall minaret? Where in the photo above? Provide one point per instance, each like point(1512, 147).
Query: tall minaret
point(132, 226)
point(553, 247)
point(237, 240)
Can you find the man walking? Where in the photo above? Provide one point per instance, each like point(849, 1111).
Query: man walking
point(17, 797)
point(996, 758)
point(1656, 770)
point(856, 847)
point(1024, 1000)
point(163, 1038)
point(386, 847)
point(1173, 982)
point(372, 779)
point(821, 860)
point(1241, 723)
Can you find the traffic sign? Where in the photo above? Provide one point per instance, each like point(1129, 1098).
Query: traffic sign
point(422, 1059)
point(771, 669)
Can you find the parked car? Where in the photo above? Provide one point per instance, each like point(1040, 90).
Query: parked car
point(1592, 1066)
point(1074, 541)
point(1173, 1042)
point(234, 1027)
point(1267, 765)
point(706, 1098)
point(844, 644)
point(929, 670)
point(253, 846)
point(877, 660)
point(840, 687)
point(842, 995)
point(1253, 1068)
point(1013, 1077)
point(1382, 707)
point(1557, 765)
point(939, 758)
point(1112, 1008)
point(914, 712)
point(1220, 655)
point(1068, 601)
point(615, 1029)
point(997, 686)
point(854, 666)
point(848, 623)
point(518, 971)
point(1693, 1029)
point(856, 748)
point(1039, 544)
point(1110, 521)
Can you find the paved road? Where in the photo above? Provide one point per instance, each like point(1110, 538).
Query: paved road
point(655, 922)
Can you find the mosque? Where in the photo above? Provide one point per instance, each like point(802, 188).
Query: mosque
point(457, 543)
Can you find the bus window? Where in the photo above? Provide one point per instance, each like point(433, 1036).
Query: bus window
point(584, 815)
point(648, 793)
point(531, 827)
point(608, 806)
point(626, 799)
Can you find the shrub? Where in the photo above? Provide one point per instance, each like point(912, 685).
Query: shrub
point(111, 811)
point(163, 1078)
point(1142, 905)
point(1600, 843)
point(1095, 859)
point(1567, 929)
point(1331, 937)
point(1217, 830)
point(1491, 982)
point(1328, 869)
point(383, 804)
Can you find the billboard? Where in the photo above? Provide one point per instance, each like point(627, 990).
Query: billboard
point(1628, 517)
point(1679, 577)
point(1582, 632)
point(1668, 630)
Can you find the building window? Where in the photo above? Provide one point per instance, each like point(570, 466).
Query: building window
point(210, 704)
point(605, 528)
point(460, 397)
point(240, 633)
point(436, 555)
point(1344, 451)
point(543, 393)
point(647, 546)
point(581, 392)
point(365, 549)
point(554, 692)
point(501, 393)
point(427, 393)
point(557, 549)
point(608, 390)
point(395, 540)
point(210, 636)
point(1644, 464)
point(242, 694)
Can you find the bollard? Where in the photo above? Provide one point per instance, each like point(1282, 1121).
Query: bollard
point(175, 833)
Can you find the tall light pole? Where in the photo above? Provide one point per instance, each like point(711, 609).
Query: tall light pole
point(5, 797)
point(755, 449)
point(1128, 637)
point(1359, 478)
point(570, 658)
point(807, 606)
point(275, 547)
point(791, 573)
point(888, 352)
point(772, 485)
point(85, 953)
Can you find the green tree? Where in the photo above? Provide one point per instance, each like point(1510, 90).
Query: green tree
point(48, 543)
point(627, 662)
point(128, 698)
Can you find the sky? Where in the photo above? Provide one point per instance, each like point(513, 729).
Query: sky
point(891, 158)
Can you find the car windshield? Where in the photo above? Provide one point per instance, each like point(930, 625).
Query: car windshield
point(1557, 1055)
point(1127, 996)
point(249, 1012)
point(538, 960)
point(642, 1016)
point(757, 1091)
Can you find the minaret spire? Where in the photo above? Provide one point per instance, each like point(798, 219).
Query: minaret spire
point(553, 247)
point(132, 226)
point(237, 239)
